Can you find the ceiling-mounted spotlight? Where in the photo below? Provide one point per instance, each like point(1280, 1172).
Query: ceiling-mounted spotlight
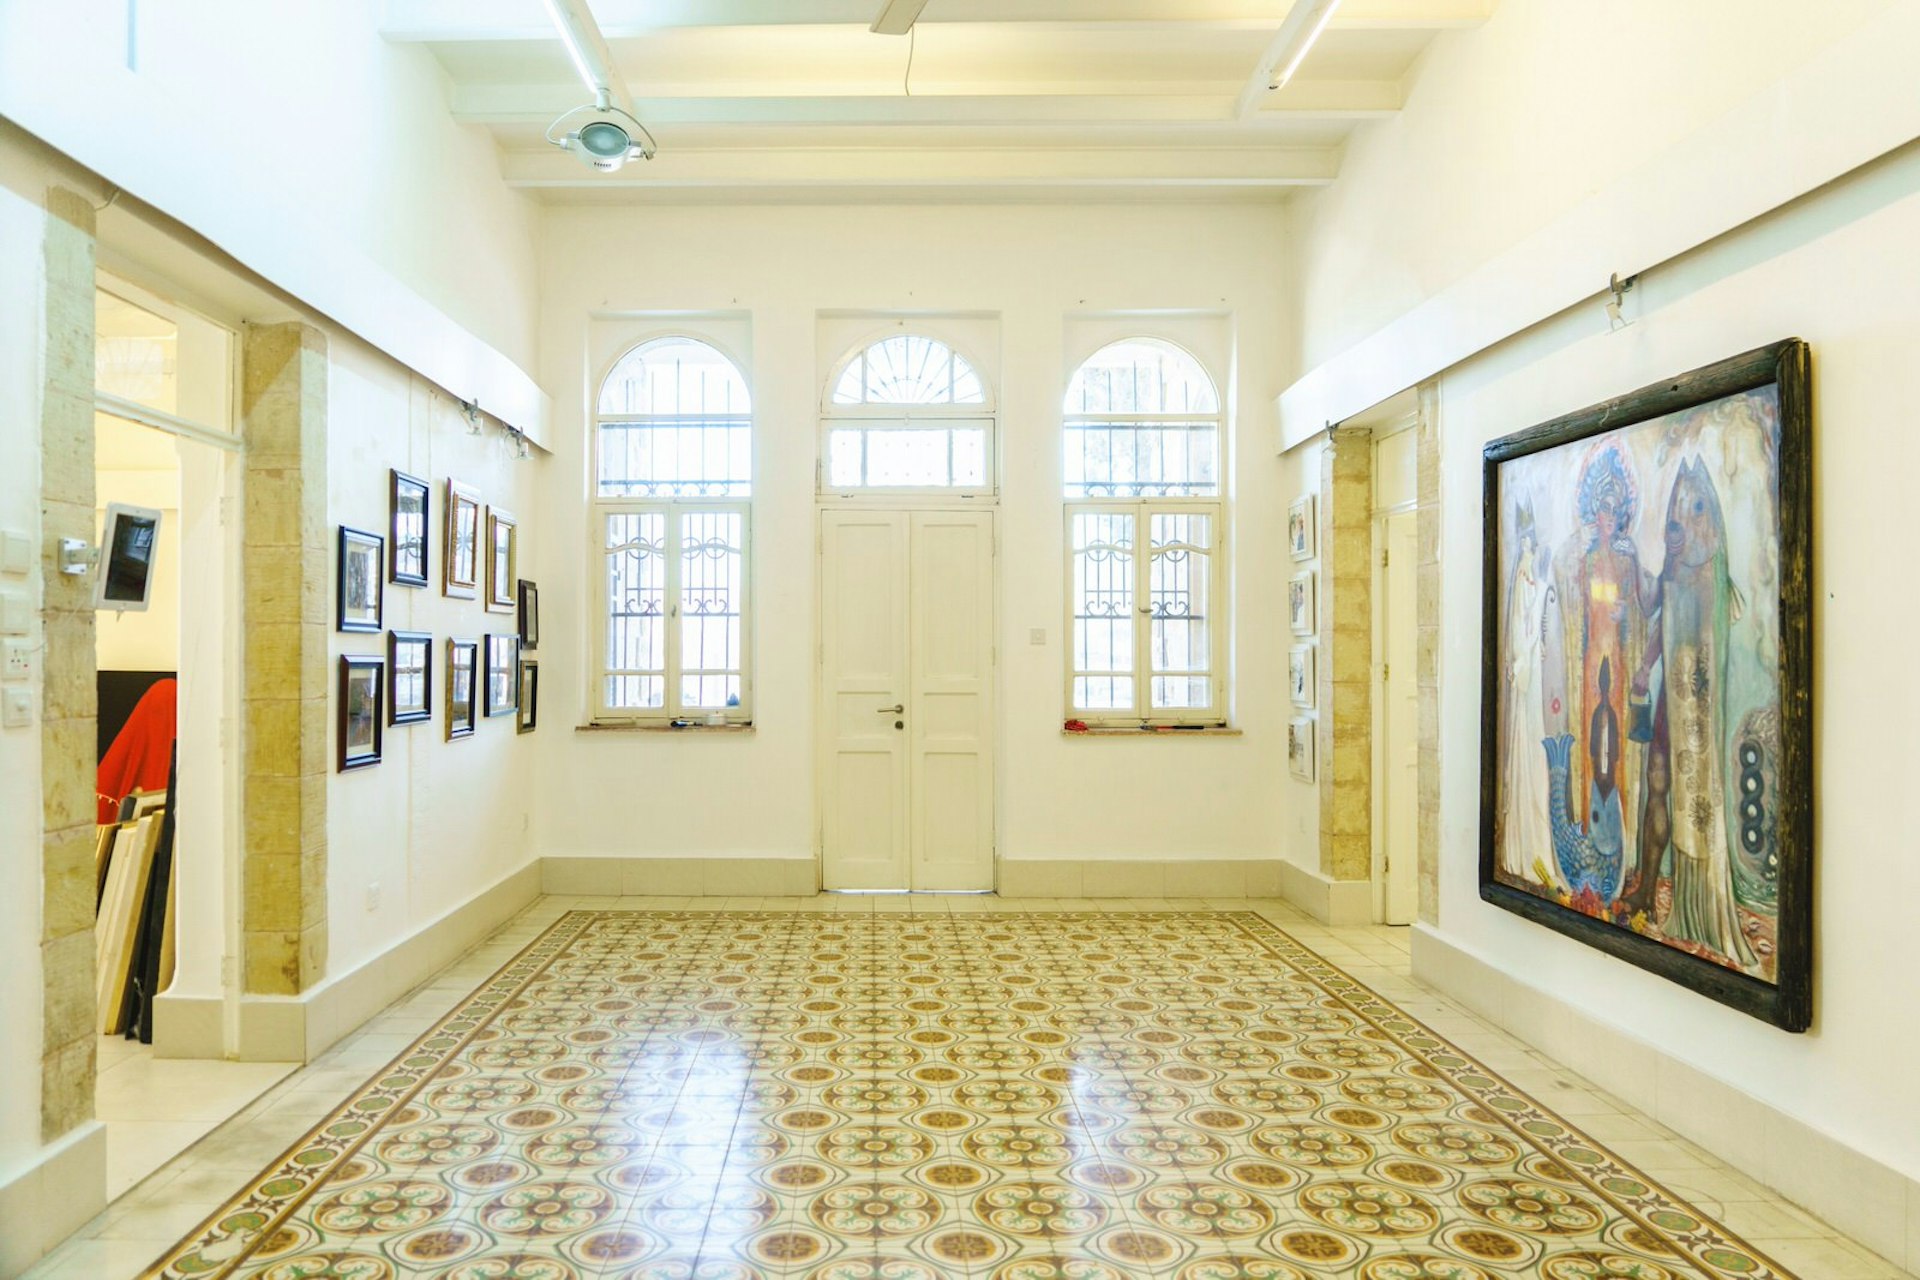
point(603, 136)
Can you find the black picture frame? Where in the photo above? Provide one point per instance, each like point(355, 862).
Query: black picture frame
point(463, 687)
point(529, 614)
point(359, 573)
point(409, 517)
point(501, 675)
point(1787, 1001)
point(529, 715)
point(360, 714)
point(409, 652)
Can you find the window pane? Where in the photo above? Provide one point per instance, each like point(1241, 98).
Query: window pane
point(846, 463)
point(908, 459)
point(682, 424)
point(135, 353)
point(1124, 459)
point(636, 607)
point(1179, 636)
point(893, 455)
point(712, 579)
point(909, 368)
point(1103, 608)
point(1141, 375)
point(675, 377)
point(970, 458)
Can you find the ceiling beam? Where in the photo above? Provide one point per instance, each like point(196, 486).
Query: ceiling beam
point(442, 21)
point(935, 170)
point(491, 104)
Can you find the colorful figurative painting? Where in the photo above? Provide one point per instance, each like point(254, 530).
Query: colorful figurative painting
point(1645, 734)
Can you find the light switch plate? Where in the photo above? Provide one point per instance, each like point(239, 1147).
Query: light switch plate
point(1038, 635)
point(16, 708)
point(16, 551)
point(15, 616)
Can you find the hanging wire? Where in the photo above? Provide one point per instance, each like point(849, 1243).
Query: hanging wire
point(913, 40)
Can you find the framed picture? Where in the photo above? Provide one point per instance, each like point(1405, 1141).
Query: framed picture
point(409, 677)
point(362, 688)
point(359, 588)
point(407, 530)
point(529, 695)
point(503, 675)
point(1300, 748)
point(460, 556)
point(463, 667)
point(1300, 528)
point(1300, 674)
point(1646, 720)
point(529, 615)
point(1300, 603)
point(503, 560)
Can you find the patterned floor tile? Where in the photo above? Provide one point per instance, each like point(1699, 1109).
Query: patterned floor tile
point(891, 1095)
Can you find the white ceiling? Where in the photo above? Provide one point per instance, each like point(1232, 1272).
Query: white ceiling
point(796, 99)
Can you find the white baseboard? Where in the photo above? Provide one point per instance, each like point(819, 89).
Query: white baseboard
point(717, 877)
point(1872, 1202)
point(1139, 878)
point(1326, 900)
point(300, 1028)
point(52, 1198)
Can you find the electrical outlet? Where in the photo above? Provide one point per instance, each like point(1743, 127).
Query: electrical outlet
point(16, 708)
point(1037, 636)
point(16, 660)
point(373, 896)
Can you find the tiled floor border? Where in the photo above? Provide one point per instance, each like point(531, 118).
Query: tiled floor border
point(307, 1164)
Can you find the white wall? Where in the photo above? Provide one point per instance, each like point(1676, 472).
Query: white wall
point(435, 822)
point(1035, 268)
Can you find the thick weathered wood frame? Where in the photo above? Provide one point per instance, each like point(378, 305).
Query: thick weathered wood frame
point(1788, 1002)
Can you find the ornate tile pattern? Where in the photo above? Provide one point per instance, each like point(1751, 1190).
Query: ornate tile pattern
point(738, 1096)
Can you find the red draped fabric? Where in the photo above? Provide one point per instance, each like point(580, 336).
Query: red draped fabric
point(139, 757)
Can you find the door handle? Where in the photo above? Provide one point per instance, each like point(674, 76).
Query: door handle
point(894, 710)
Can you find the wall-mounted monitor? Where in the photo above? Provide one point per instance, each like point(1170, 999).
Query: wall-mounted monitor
point(129, 539)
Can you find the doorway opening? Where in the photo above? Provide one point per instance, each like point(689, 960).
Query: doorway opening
point(907, 700)
point(1396, 705)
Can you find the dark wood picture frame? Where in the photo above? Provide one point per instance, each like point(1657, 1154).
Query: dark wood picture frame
point(409, 517)
point(460, 547)
point(359, 570)
point(1787, 1002)
point(398, 642)
point(501, 547)
point(502, 658)
point(529, 617)
point(463, 660)
point(362, 679)
point(529, 717)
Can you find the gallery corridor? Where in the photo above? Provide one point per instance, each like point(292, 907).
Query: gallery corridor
point(900, 1087)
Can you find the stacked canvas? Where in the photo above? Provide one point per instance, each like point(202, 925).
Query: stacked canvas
point(133, 931)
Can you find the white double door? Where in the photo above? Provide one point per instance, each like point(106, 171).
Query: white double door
point(907, 727)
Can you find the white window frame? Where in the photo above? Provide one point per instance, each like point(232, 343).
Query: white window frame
point(674, 509)
point(909, 417)
point(1143, 509)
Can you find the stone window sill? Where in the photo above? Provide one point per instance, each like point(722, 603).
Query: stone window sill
point(1154, 731)
point(654, 726)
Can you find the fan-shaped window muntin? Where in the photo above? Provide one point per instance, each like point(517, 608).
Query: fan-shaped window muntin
point(675, 419)
point(1142, 419)
point(907, 413)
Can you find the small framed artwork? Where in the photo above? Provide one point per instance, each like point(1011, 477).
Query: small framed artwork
point(1300, 528)
point(1300, 748)
point(503, 675)
point(460, 555)
point(463, 664)
point(1646, 725)
point(362, 689)
point(529, 615)
point(359, 585)
point(503, 560)
point(529, 695)
point(1300, 674)
point(407, 530)
point(409, 677)
point(1300, 603)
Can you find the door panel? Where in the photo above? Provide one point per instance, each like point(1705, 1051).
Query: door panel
point(863, 648)
point(952, 722)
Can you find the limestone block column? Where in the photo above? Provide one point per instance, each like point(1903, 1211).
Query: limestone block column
point(69, 703)
point(284, 561)
point(1427, 640)
point(1345, 746)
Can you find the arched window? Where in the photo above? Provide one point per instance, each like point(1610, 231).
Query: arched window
point(673, 467)
point(907, 412)
point(1142, 429)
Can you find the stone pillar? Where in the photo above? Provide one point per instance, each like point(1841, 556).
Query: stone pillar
point(284, 561)
point(69, 710)
point(1345, 746)
point(1427, 640)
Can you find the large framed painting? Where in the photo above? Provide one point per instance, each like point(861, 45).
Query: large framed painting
point(1646, 717)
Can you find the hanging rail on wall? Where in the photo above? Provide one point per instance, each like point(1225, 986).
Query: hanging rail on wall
point(160, 420)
